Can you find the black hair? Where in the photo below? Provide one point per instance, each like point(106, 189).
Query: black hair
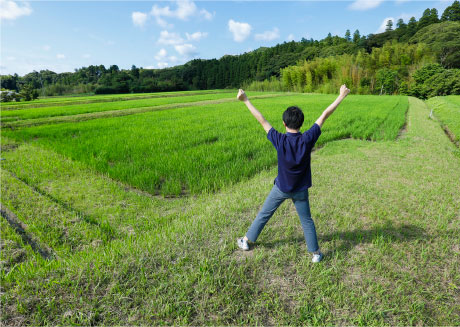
point(293, 117)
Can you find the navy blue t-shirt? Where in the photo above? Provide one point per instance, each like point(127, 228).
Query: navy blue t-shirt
point(294, 149)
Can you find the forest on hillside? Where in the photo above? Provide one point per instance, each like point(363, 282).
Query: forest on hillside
point(420, 58)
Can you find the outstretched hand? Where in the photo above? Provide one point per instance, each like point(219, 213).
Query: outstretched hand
point(344, 90)
point(241, 95)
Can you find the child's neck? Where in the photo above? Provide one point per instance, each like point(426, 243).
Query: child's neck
point(289, 130)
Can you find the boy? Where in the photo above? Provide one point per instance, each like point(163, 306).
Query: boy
point(294, 175)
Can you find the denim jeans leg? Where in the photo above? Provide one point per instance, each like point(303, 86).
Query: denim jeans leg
point(273, 201)
point(302, 206)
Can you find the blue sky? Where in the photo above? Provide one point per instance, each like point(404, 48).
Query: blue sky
point(64, 35)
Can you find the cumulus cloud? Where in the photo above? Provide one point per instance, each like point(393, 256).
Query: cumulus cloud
point(170, 38)
point(60, 56)
point(239, 30)
point(162, 65)
point(186, 49)
point(196, 36)
point(161, 54)
point(365, 4)
point(290, 37)
point(139, 18)
point(268, 35)
point(46, 47)
point(184, 10)
point(384, 24)
point(86, 56)
point(11, 10)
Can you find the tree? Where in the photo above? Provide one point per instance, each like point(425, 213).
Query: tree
point(356, 37)
point(434, 16)
point(400, 24)
point(412, 26)
point(452, 13)
point(28, 92)
point(430, 16)
point(443, 40)
point(348, 35)
point(389, 26)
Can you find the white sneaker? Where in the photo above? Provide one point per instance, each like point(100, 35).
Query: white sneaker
point(243, 244)
point(317, 257)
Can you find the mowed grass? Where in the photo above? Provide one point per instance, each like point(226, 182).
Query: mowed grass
point(447, 110)
point(387, 216)
point(204, 148)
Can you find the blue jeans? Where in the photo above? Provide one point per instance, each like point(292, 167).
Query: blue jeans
point(273, 201)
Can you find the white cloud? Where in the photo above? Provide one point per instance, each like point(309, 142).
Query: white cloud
point(11, 10)
point(290, 37)
point(206, 14)
point(139, 18)
point(11, 58)
point(161, 55)
point(268, 35)
point(196, 36)
point(162, 65)
point(384, 24)
point(239, 30)
point(365, 4)
point(185, 9)
point(186, 49)
point(86, 56)
point(170, 38)
point(60, 56)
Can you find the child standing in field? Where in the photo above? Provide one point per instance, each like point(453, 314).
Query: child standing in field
point(294, 173)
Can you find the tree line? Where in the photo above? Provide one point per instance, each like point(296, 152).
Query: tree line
point(376, 63)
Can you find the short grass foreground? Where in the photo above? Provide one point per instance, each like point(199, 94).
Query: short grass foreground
point(89, 250)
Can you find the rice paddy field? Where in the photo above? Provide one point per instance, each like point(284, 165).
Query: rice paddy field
point(124, 210)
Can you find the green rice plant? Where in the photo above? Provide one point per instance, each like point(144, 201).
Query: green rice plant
point(204, 148)
point(66, 110)
point(447, 110)
point(69, 100)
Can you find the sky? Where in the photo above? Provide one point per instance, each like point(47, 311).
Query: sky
point(64, 35)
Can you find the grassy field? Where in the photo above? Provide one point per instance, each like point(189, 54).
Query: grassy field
point(447, 110)
point(387, 216)
point(189, 155)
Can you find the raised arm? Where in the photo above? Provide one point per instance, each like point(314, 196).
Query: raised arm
point(242, 97)
point(329, 110)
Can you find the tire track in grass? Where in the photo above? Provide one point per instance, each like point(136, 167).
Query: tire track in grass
point(28, 238)
point(119, 113)
point(109, 232)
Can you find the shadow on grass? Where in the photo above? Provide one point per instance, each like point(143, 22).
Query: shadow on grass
point(353, 238)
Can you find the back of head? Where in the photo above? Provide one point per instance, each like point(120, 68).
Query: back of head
point(293, 117)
